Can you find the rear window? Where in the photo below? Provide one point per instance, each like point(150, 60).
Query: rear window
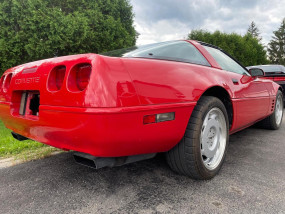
point(180, 51)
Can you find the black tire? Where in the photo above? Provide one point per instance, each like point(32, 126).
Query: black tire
point(185, 158)
point(271, 122)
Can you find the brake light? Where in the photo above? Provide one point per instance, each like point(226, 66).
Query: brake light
point(7, 82)
point(1, 82)
point(269, 78)
point(79, 77)
point(56, 78)
point(83, 76)
point(279, 78)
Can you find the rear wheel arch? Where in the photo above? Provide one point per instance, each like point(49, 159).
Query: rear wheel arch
point(223, 95)
point(201, 152)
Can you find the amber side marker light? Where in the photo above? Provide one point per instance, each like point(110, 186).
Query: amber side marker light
point(157, 118)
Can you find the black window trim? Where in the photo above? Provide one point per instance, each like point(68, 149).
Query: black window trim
point(171, 59)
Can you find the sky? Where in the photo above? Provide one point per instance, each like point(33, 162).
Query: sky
point(163, 20)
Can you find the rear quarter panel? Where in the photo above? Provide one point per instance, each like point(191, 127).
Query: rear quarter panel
point(158, 81)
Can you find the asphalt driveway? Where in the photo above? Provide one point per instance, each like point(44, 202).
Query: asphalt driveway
point(252, 180)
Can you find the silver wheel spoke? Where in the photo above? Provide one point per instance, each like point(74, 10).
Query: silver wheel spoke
point(213, 138)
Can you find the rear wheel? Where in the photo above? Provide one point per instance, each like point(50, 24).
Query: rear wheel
point(201, 152)
point(274, 121)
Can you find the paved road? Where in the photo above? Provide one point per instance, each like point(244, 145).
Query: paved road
point(252, 180)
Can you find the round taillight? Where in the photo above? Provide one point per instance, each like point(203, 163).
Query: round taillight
point(79, 77)
point(7, 82)
point(1, 82)
point(56, 78)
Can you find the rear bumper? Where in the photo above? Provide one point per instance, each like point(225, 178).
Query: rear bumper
point(102, 132)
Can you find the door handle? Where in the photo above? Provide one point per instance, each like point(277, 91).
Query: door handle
point(235, 81)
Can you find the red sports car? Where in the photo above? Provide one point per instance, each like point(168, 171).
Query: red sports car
point(182, 98)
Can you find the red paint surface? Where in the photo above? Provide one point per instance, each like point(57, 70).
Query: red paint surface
point(106, 118)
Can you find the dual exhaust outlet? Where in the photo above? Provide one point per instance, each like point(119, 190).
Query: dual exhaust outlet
point(100, 162)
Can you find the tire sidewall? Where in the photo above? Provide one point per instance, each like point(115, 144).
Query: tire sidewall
point(207, 173)
point(279, 94)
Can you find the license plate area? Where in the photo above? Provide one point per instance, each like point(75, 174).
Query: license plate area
point(26, 104)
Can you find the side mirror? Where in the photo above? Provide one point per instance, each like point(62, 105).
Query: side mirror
point(256, 72)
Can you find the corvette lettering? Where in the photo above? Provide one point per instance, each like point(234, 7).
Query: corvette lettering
point(27, 80)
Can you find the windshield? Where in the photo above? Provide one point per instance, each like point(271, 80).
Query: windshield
point(180, 51)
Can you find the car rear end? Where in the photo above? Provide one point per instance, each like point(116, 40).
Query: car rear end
point(275, 73)
point(278, 77)
point(32, 97)
point(86, 103)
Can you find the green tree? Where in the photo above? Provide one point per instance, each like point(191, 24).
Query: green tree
point(254, 31)
point(246, 49)
point(276, 47)
point(37, 29)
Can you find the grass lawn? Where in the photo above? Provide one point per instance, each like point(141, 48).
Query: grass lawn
point(26, 150)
